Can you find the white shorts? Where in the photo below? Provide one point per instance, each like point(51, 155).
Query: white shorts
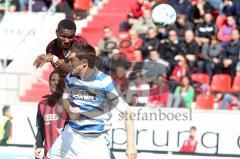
point(73, 145)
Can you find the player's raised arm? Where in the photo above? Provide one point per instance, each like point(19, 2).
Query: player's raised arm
point(42, 59)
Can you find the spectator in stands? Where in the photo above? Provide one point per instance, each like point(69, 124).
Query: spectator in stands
point(198, 9)
point(181, 25)
point(135, 41)
point(225, 31)
point(212, 57)
point(205, 29)
point(136, 64)
point(153, 66)
point(150, 42)
point(12, 6)
point(181, 6)
point(134, 101)
point(159, 92)
point(231, 53)
point(180, 70)
point(183, 95)
point(190, 50)
point(107, 44)
point(138, 8)
point(6, 125)
point(140, 87)
point(23, 5)
point(162, 34)
point(40, 5)
point(58, 48)
point(81, 8)
point(230, 100)
point(117, 58)
point(127, 25)
point(66, 7)
point(96, 2)
point(232, 7)
point(170, 48)
point(119, 77)
point(143, 23)
point(190, 144)
point(49, 128)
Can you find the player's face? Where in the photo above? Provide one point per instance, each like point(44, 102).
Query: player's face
point(54, 82)
point(75, 64)
point(65, 38)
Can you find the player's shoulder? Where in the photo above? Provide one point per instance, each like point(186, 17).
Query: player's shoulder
point(80, 39)
point(101, 76)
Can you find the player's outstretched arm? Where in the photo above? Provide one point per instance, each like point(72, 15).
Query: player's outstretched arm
point(131, 149)
point(42, 59)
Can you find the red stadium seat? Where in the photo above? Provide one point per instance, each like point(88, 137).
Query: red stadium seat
point(221, 83)
point(204, 101)
point(236, 84)
point(200, 78)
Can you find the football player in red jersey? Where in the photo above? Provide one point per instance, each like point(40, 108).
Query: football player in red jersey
point(51, 117)
point(58, 48)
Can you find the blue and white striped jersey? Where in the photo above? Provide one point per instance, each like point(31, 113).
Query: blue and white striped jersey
point(93, 95)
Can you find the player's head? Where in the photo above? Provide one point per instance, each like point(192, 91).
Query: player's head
point(54, 79)
point(65, 33)
point(193, 130)
point(81, 57)
point(6, 111)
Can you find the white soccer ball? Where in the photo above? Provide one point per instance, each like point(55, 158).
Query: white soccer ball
point(163, 15)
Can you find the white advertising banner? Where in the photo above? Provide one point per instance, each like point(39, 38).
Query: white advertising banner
point(166, 129)
point(157, 130)
point(20, 31)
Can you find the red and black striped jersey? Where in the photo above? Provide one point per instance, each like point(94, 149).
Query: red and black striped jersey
point(50, 120)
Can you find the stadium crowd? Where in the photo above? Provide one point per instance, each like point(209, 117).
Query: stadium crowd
point(167, 67)
point(77, 9)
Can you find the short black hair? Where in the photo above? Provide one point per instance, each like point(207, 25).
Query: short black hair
point(5, 109)
point(67, 24)
point(84, 51)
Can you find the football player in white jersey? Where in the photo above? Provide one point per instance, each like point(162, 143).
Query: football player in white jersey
point(89, 97)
